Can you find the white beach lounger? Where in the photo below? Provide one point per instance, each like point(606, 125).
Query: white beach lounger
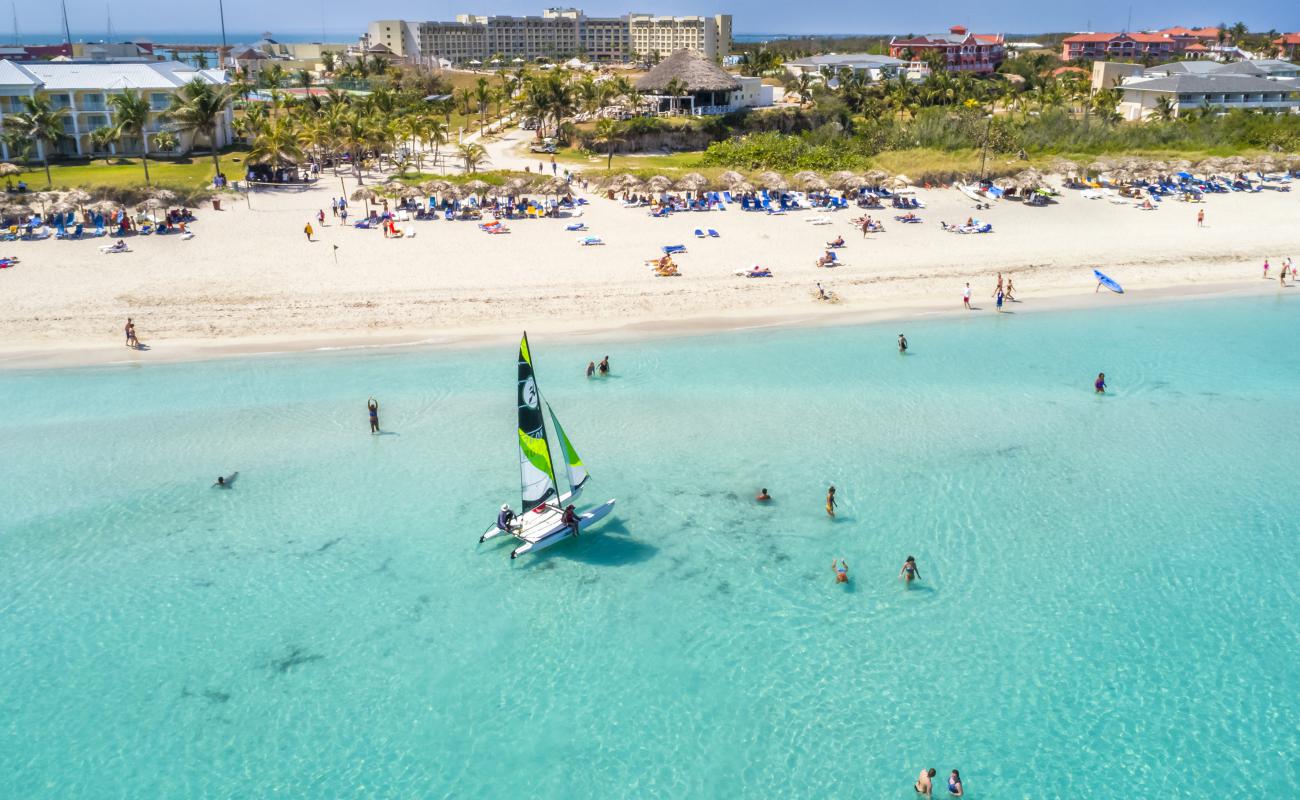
point(820, 221)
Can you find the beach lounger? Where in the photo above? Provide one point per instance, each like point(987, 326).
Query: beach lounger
point(756, 272)
point(108, 249)
point(714, 234)
point(819, 221)
point(727, 197)
point(670, 249)
point(699, 234)
point(576, 227)
point(590, 241)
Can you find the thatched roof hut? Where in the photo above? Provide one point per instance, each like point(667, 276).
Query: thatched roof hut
point(703, 81)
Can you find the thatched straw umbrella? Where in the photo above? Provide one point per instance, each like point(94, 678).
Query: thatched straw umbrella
point(103, 207)
point(816, 184)
point(1064, 166)
point(517, 185)
point(771, 180)
point(165, 195)
point(18, 210)
point(77, 198)
point(743, 187)
point(150, 204)
point(365, 194)
point(435, 186)
point(658, 183)
point(476, 186)
point(555, 186)
point(704, 81)
point(411, 192)
point(692, 182)
point(802, 177)
point(393, 188)
point(8, 170)
point(44, 199)
point(730, 178)
point(1005, 183)
point(844, 179)
point(899, 182)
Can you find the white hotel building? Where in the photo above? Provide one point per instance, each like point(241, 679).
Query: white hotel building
point(557, 34)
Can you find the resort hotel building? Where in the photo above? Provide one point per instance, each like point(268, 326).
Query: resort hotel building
point(559, 33)
point(84, 89)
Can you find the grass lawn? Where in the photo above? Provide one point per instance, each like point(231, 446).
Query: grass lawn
point(190, 174)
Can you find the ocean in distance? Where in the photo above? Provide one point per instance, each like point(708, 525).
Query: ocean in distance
point(1108, 604)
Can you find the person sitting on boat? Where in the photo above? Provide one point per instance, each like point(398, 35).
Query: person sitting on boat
point(570, 519)
point(763, 496)
point(506, 519)
point(841, 571)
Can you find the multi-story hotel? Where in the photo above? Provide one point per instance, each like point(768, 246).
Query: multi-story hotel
point(84, 90)
point(559, 32)
point(962, 50)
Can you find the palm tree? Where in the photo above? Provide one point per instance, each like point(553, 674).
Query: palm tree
point(102, 140)
point(39, 122)
point(464, 97)
point(165, 140)
point(1238, 31)
point(276, 144)
point(675, 88)
point(328, 61)
point(197, 109)
point(474, 155)
point(131, 117)
point(607, 133)
point(482, 96)
point(1165, 110)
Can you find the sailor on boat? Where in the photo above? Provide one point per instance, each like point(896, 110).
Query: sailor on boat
point(506, 519)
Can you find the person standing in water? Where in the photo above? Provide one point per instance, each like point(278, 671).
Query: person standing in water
point(763, 496)
point(925, 782)
point(591, 368)
point(841, 569)
point(909, 572)
point(902, 343)
point(372, 405)
point(1100, 384)
point(954, 785)
point(604, 366)
point(1000, 298)
point(830, 502)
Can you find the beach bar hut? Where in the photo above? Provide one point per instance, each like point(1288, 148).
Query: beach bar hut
point(688, 81)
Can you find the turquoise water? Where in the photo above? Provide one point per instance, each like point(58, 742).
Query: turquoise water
point(1109, 603)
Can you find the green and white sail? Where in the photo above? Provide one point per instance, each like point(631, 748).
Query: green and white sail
point(537, 473)
point(572, 461)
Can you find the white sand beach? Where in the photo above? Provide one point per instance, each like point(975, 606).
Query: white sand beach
point(249, 280)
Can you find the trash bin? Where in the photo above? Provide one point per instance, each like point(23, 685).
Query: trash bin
point(216, 204)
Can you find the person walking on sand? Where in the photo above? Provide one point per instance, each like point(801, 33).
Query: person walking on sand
point(866, 227)
point(334, 206)
point(131, 339)
point(999, 287)
point(372, 405)
point(127, 329)
point(320, 217)
point(965, 297)
point(307, 230)
point(1200, 218)
point(1011, 297)
point(925, 782)
point(830, 502)
point(1266, 269)
point(1000, 298)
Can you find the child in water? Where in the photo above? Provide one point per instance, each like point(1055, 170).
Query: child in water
point(1100, 383)
point(841, 569)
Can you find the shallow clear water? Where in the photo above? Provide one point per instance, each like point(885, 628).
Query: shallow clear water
point(1109, 603)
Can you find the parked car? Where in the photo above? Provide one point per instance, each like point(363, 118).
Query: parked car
point(544, 146)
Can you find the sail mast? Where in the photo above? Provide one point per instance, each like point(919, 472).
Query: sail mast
point(537, 471)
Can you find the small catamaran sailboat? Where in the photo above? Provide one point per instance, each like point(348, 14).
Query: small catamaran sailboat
point(542, 524)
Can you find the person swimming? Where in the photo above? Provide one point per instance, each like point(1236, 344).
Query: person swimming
point(226, 482)
point(763, 496)
point(1100, 383)
point(841, 571)
point(909, 572)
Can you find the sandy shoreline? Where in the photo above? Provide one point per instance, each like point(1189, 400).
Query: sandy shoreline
point(249, 282)
point(180, 351)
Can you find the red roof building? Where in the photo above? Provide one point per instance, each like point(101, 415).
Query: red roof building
point(1104, 46)
point(1288, 45)
point(963, 51)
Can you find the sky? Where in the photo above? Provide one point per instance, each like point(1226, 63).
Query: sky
point(87, 18)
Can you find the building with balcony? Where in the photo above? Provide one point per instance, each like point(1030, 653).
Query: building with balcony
point(962, 51)
point(84, 90)
point(872, 67)
point(557, 34)
point(1219, 93)
point(1119, 46)
point(1287, 45)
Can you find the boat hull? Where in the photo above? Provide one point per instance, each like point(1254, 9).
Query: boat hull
point(542, 537)
point(532, 519)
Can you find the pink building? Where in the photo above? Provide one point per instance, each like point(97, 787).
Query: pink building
point(964, 51)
